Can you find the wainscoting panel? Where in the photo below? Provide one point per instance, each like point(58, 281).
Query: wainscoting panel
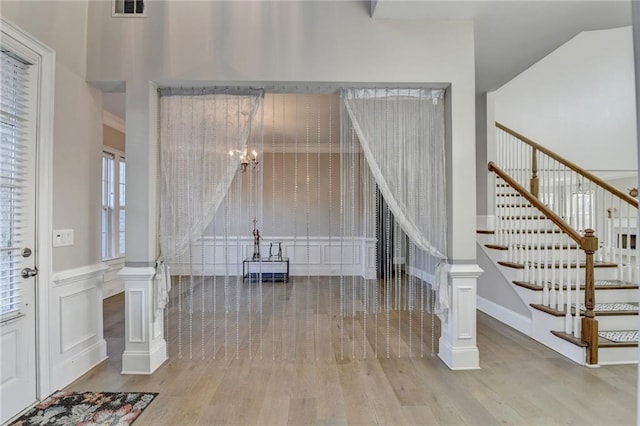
point(136, 307)
point(315, 256)
point(76, 325)
point(77, 321)
point(465, 323)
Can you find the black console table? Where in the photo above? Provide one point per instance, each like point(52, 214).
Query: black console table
point(273, 268)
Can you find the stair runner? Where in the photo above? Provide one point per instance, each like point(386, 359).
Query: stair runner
point(620, 336)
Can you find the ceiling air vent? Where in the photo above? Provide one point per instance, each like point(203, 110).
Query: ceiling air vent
point(129, 8)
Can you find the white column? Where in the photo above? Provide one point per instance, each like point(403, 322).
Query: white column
point(145, 348)
point(457, 345)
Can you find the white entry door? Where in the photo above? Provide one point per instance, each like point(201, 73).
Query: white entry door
point(18, 257)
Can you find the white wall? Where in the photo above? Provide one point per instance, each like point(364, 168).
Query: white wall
point(304, 42)
point(579, 101)
point(77, 125)
point(74, 314)
point(282, 214)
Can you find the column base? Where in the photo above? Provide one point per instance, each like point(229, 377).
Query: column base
point(459, 358)
point(144, 362)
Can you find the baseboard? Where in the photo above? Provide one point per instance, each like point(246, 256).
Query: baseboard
point(464, 358)
point(144, 362)
point(504, 315)
point(72, 368)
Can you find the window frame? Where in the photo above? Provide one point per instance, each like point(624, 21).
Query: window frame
point(110, 204)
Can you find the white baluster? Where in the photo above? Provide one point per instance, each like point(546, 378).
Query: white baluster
point(545, 277)
point(523, 245)
point(618, 240)
point(628, 249)
point(567, 316)
point(552, 292)
point(576, 318)
point(561, 275)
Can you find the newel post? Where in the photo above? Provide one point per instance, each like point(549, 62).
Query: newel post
point(534, 172)
point(589, 244)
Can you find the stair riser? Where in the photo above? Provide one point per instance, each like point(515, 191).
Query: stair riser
point(534, 238)
point(526, 224)
point(602, 296)
point(535, 253)
point(508, 208)
point(613, 296)
point(541, 331)
point(524, 256)
point(617, 322)
point(617, 355)
point(547, 275)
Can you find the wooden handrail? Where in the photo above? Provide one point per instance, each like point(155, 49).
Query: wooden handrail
point(593, 178)
point(588, 243)
point(572, 233)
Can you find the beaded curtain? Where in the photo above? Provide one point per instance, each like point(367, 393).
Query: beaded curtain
point(315, 193)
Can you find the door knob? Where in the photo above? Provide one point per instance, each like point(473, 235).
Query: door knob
point(29, 272)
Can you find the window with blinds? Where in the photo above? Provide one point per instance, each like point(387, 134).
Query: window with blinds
point(13, 152)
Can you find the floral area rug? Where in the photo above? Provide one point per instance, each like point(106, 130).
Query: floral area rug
point(87, 409)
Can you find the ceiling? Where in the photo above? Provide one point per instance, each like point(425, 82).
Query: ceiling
point(510, 35)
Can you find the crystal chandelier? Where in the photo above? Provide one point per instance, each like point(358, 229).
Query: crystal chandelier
point(246, 157)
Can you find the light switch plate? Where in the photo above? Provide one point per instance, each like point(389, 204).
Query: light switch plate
point(62, 237)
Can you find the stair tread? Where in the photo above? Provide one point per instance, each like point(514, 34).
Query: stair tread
point(601, 309)
point(547, 309)
point(602, 342)
point(596, 264)
point(548, 246)
point(531, 217)
point(537, 231)
point(496, 247)
point(485, 231)
point(518, 206)
point(549, 265)
point(606, 343)
point(607, 309)
point(569, 338)
point(599, 284)
point(532, 247)
point(511, 265)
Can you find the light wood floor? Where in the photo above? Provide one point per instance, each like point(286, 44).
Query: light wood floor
point(520, 382)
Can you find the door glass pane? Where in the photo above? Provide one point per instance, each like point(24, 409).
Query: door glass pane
point(13, 160)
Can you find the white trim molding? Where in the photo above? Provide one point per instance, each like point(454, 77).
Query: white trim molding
point(70, 276)
point(457, 345)
point(504, 315)
point(46, 58)
point(113, 121)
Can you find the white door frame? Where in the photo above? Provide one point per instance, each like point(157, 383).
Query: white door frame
point(44, 162)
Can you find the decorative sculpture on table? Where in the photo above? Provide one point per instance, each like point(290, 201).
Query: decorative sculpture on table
point(256, 240)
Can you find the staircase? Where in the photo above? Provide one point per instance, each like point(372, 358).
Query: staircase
point(565, 240)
